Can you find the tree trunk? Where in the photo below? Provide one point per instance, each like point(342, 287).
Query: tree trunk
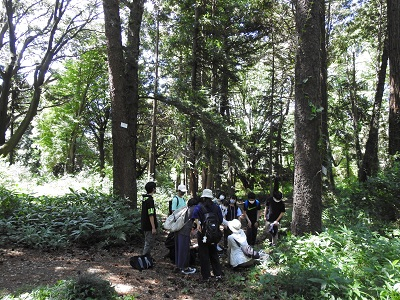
point(393, 13)
point(370, 163)
point(123, 159)
point(354, 112)
point(136, 8)
point(193, 184)
point(153, 146)
point(326, 147)
point(307, 204)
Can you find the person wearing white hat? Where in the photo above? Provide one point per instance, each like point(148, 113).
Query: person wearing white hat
point(178, 200)
point(236, 257)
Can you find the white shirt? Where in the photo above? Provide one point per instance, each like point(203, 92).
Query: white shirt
point(235, 254)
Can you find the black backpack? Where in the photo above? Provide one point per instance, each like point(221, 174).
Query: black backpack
point(210, 227)
point(170, 205)
point(141, 262)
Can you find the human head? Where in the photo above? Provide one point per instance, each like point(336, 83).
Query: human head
point(182, 189)
point(233, 199)
point(234, 225)
point(193, 201)
point(277, 196)
point(252, 197)
point(207, 193)
point(150, 187)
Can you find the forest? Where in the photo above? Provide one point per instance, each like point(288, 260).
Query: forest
point(99, 97)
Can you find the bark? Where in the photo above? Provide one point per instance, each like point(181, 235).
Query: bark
point(132, 54)
point(193, 174)
point(354, 113)
point(393, 13)
point(123, 159)
point(307, 203)
point(153, 146)
point(326, 148)
point(370, 162)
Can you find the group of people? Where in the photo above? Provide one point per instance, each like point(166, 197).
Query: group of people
point(225, 212)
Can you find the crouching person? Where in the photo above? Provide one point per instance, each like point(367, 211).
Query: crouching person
point(236, 257)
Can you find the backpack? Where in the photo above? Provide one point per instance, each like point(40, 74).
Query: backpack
point(210, 227)
point(176, 220)
point(246, 204)
point(170, 205)
point(141, 262)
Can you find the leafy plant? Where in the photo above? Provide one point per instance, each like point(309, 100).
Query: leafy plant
point(86, 287)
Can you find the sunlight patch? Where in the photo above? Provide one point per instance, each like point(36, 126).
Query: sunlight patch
point(95, 270)
point(123, 288)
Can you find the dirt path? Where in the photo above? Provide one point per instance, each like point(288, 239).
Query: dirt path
point(25, 269)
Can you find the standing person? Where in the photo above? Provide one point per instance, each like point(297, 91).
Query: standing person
point(182, 240)
point(149, 218)
point(208, 253)
point(274, 211)
point(178, 200)
point(233, 212)
point(252, 212)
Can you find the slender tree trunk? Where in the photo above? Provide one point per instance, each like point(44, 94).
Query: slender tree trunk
point(370, 162)
point(271, 117)
point(193, 185)
point(307, 205)
point(153, 146)
point(326, 148)
point(354, 112)
point(393, 7)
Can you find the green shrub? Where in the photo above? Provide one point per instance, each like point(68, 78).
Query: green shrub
point(8, 203)
point(83, 219)
point(86, 287)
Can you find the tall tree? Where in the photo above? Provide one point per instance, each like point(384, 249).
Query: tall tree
point(307, 202)
point(79, 114)
point(45, 42)
point(393, 13)
point(123, 74)
point(370, 162)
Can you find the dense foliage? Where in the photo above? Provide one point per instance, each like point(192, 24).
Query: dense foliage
point(83, 219)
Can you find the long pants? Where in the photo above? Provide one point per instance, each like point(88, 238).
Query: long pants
point(208, 254)
point(182, 250)
point(251, 235)
point(274, 238)
point(149, 240)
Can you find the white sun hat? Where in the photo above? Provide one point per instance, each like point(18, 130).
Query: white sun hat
point(207, 193)
point(234, 225)
point(182, 188)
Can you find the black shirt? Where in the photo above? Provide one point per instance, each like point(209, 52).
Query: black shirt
point(148, 209)
point(274, 209)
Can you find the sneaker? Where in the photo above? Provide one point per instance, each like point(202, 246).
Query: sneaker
point(188, 271)
point(218, 278)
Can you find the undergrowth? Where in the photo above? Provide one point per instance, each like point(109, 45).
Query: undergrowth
point(356, 256)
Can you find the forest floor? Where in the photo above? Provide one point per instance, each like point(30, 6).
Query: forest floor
point(22, 270)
